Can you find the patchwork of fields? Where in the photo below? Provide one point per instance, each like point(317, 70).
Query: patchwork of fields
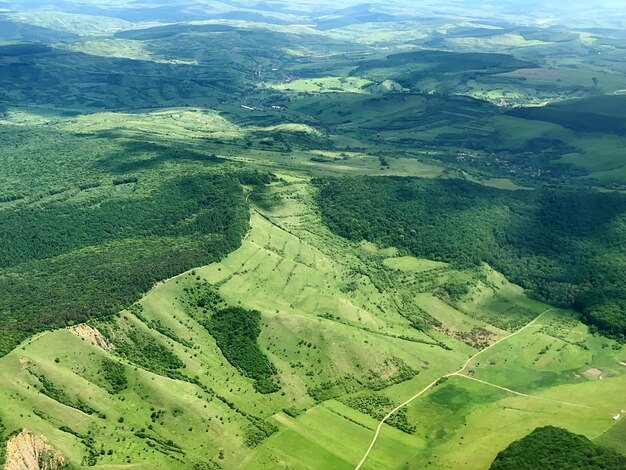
point(302, 235)
point(326, 304)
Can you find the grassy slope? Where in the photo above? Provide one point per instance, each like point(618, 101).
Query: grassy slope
point(469, 422)
point(614, 437)
point(292, 270)
point(545, 229)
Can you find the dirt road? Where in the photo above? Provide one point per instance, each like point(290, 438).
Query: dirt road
point(432, 384)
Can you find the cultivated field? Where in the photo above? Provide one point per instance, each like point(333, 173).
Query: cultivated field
point(309, 236)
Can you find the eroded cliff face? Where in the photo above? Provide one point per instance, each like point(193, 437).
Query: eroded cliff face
point(93, 336)
point(29, 451)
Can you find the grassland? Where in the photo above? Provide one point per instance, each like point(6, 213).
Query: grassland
point(466, 422)
point(467, 224)
point(140, 144)
point(320, 317)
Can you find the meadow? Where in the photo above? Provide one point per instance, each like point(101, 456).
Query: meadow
point(325, 304)
point(530, 236)
point(238, 237)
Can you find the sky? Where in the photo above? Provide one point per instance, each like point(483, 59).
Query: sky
point(591, 12)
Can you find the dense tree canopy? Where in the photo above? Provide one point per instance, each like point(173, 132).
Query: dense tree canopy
point(567, 247)
point(236, 331)
point(66, 262)
point(557, 449)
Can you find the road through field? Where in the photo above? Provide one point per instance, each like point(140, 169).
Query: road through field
point(520, 393)
point(432, 384)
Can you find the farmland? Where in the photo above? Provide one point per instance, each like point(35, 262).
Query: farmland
point(310, 236)
point(315, 342)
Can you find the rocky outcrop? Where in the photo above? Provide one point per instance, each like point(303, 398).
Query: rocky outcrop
point(92, 335)
point(29, 451)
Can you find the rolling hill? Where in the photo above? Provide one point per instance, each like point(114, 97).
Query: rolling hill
point(311, 235)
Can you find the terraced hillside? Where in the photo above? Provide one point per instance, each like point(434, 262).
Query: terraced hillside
point(153, 387)
point(310, 235)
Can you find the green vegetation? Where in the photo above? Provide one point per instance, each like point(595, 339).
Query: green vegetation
point(145, 351)
point(377, 406)
point(560, 244)
point(39, 233)
point(114, 374)
point(3, 442)
point(604, 114)
point(315, 357)
point(52, 391)
point(408, 67)
point(158, 325)
point(215, 250)
point(552, 447)
point(236, 331)
point(613, 438)
point(260, 429)
point(98, 259)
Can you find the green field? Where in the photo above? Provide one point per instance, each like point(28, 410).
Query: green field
point(238, 236)
point(319, 319)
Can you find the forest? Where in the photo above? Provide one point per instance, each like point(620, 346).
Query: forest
point(239, 233)
point(557, 449)
point(563, 245)
point(236, 331)
point(65, 262)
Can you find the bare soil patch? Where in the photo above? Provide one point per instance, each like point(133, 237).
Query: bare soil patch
point(93, 336)
point(28, 451)
point(593, 373)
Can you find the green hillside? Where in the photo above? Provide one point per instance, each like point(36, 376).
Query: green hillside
point(311, 235)
point(556, 448)
point(324, 304)
point(561, 245)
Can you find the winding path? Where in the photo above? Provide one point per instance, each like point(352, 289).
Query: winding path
point(434, 382)
point(520, 393)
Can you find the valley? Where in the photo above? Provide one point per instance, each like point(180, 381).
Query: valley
point(326, 304)
point(312, 235)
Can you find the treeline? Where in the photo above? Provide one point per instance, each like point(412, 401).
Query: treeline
point(3, 442)
point(142, 349)
point(236, 331)
point(557, 449)
point(604, 114)
point(566, 247)
point(184, 206)
point(64, 263)
point(52, 391)
point(377, 406)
